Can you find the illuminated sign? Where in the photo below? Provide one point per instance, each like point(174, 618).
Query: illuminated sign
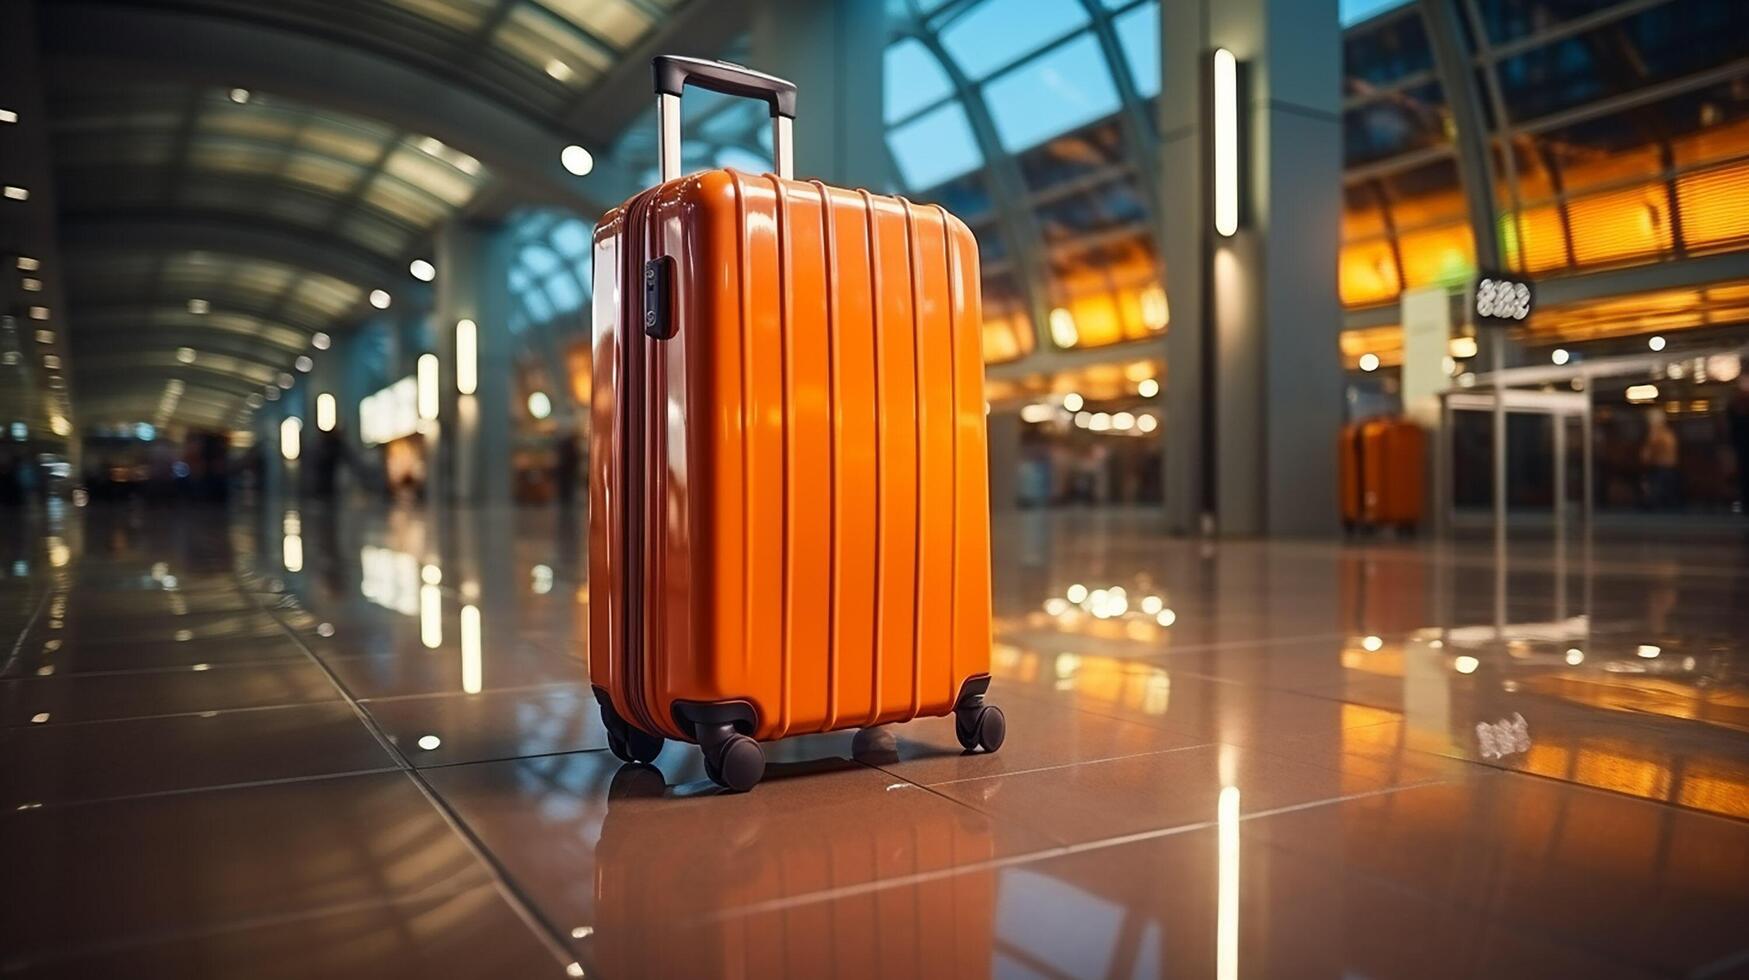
point(390, 414)
point(1501, 300)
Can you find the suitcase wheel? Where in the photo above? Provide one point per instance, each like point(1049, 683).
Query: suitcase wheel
point(629, 744)
point(980, 726)
point(732, 760)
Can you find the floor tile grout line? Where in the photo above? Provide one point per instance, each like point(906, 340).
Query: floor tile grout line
point(1068, 765)
point(515, 689)
point(204, 713)
point(162, 936)
point(214, 787)
point(29, 624)
point(167, 669)
point(1060, 850)
point(519, 903)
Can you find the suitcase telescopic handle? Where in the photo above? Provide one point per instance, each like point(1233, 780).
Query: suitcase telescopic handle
point(674, 73)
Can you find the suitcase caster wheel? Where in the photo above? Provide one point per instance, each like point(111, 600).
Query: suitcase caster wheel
point(629, 744)
point(732, 760)
point(980, 726)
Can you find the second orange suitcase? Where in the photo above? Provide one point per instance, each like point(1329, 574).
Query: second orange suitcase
point(789, 527)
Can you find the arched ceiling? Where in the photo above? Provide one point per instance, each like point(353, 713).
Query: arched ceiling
point(235, 177)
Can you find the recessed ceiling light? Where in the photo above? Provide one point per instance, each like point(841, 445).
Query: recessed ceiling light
point(577, 160)
point(320, 340)
point(239, 95)
point(285, 379)
point(185, 355)
point(303, 363)
point(1656, 343)
point(422, 270)
point(379, 298)
point(27, 264)
point(8, 116)
point(559, 70)
point(17, 193)
point(198, 306)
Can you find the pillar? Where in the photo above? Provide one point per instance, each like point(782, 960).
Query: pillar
point(473, 444)
point(1254, 390)
point(833, 50)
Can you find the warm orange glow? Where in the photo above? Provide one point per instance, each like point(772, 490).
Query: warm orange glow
point(1112, 291)
point(1367, 273)
point(1007, 338)
point(1385, 343)
point(1618, 226)
point(1437, 255)
point(1715, 207)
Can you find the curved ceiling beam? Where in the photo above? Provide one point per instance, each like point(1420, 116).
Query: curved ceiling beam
point(183, 329)
point(177, 230)
point(115, 306)
point(247, 375)
point(154, 343)
point(91, 38)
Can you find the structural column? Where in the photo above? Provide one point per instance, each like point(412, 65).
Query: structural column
point(1254, 384)
point(473, 283)
point(833, 50)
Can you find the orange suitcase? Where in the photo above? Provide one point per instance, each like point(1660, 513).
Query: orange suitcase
point(1382, 479)
point(789, 526)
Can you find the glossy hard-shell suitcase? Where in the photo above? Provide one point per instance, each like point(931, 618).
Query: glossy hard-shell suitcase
point(1382, 480)
point(789, 525)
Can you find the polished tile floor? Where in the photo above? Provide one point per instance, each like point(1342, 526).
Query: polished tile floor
point(362, 745)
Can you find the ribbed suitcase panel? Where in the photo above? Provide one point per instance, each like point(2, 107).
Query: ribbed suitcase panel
point(971, 540)
point(855, 459)
point(896, 651)
point(933, 336)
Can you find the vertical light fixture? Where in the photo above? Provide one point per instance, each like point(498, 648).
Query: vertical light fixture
point(471, 672)
point(1224, 87)
point(289, 430)
point(467, 375)
point(428, 386)
point(430, 615)
point(1227, 888)
point(325, 412)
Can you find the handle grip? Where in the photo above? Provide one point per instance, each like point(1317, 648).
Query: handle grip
point(674, 72)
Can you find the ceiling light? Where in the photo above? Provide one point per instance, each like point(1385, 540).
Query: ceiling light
point(379, 298)
point(285, 380)
point(17, 193)
point(199, 306)
point(1072, 401)
point(559, 70)
point(577, 160)
point(253, 401)
point(1369, 361)
point(45, 336)
point(185, 355)
point(1559, 355)
point(1148, 388)
point(27, 264)
point(1462, 347)
point(31, 284)
point(52, 362)
point(303, 363)
point(431, 145)
point(239, 95)
point(539, 405)
point(1147, 423)
point(39, 313)
point(1642, 393)
point(1063, 330)
point(422, 270)
point(272, 393)
point(320, 340)
point(1656, 343)
point(8, 116)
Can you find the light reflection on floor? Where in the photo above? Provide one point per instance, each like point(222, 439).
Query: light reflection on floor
point(298, 743)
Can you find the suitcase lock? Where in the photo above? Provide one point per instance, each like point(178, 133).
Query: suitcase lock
point(658, 297)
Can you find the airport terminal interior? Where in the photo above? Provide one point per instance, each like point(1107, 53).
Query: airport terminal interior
point(1365, 428)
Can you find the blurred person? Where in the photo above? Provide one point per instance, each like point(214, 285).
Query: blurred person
point(1658, 462)
point(1737, 414)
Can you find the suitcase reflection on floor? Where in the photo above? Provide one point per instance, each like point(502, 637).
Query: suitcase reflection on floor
point(783, 889)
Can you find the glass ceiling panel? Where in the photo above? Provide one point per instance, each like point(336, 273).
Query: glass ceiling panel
point(1138, 33)
point(935, 147)
point(546, 44)
point(913, 79)
point(996, 33)
point(614, 21)
point(462, 15)
point(1059, 90)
